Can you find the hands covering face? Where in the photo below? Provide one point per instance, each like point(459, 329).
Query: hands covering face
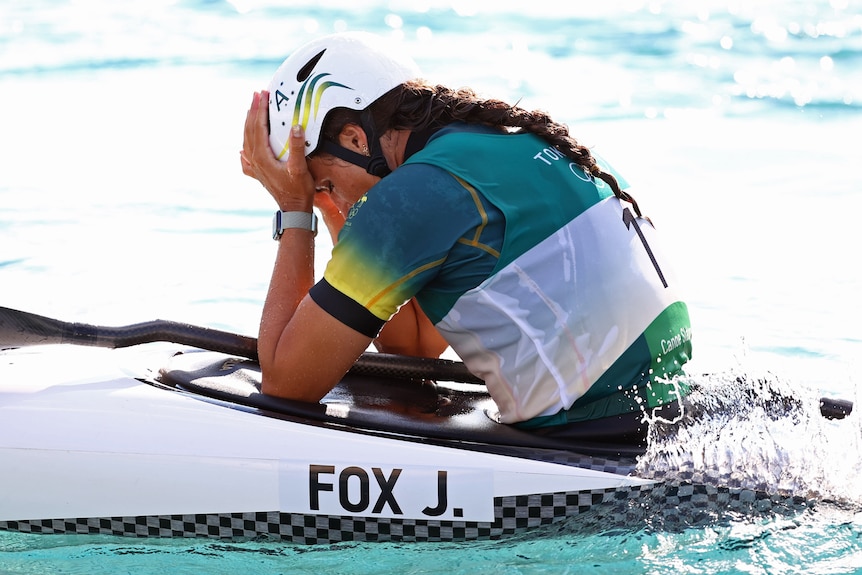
point(289, 183)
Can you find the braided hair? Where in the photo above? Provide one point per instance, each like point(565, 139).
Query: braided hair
point(418, 106)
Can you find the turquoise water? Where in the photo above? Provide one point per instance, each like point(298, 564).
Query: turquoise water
point(121, 200)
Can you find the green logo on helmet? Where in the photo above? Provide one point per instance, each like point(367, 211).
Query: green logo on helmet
point(307, 101)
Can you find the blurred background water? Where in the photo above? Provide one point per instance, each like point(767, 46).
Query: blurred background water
point(737, 124)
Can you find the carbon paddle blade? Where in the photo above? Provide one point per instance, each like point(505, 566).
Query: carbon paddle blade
point(835, 408)
point(19, 329)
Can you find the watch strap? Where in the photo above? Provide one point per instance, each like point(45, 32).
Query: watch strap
point(285, 220)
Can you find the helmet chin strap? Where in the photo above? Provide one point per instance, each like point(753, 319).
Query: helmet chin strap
point(350, 156)
point(375, 163)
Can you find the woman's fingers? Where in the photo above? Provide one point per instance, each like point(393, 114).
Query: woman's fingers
point(250, 155)
point(297, 166)
point(296, 156)
point(289, 183)
point(256, 140)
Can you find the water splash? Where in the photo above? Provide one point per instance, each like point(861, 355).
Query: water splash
point(758, 432)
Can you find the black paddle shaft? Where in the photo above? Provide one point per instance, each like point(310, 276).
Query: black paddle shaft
point(18, 328)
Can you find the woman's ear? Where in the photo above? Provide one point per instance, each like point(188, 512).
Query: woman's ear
point(354, 138)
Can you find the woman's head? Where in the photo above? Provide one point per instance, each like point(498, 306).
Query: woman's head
point(348, 70)
point(355, 79)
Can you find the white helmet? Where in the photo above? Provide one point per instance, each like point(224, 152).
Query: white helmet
point(347, 70)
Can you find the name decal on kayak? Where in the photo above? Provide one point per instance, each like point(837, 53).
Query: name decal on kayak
point(405, 492)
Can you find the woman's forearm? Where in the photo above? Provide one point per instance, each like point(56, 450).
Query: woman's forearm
point(292, 277)
point(410, 332)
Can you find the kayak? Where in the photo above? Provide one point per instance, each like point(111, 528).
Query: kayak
point(113, 454)
point(92, 444)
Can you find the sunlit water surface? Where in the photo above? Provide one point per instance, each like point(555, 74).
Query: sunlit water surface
point(121, 200)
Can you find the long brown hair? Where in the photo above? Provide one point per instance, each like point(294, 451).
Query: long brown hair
point(417, 106)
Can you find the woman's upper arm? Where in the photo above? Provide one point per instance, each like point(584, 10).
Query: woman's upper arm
point(314, 352)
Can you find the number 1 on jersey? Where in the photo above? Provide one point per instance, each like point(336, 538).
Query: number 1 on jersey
point(628, 220)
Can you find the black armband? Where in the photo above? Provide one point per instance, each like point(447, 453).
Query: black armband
point(345, 309)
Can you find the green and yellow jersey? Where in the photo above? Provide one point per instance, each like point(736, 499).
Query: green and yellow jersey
point(542, 281)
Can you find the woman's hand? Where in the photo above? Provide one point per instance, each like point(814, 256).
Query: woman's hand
point(289, 183)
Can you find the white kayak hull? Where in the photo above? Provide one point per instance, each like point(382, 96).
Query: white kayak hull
point(86, 448)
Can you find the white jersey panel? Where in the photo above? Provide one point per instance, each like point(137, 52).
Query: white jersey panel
point(561, 313)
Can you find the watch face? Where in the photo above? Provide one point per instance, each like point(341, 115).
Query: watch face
point(276, 225)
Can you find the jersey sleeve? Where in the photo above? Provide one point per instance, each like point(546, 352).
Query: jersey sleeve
point(395, 241)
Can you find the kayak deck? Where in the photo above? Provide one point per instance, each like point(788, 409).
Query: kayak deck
point(451, 414)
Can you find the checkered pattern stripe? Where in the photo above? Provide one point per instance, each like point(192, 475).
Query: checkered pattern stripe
point(662, 505)
point(617, 465)
point(678, 506)
point(514, 514)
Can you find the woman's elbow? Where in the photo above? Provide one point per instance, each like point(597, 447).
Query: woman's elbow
point(279, 380)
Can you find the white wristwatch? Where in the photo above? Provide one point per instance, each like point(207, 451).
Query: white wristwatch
point(285, 220)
